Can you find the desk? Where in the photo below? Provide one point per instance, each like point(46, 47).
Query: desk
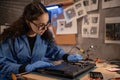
point(101, 67)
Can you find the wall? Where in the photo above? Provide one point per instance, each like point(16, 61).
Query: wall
point(10, 10)
point(102, 50)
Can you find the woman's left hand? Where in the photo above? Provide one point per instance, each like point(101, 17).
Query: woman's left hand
point(74, 58)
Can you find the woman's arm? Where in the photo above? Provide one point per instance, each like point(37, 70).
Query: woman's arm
point(8, 63)
point(54, 51)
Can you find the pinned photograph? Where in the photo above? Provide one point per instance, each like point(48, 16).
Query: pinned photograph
point(86, 2)
point(80, 13)
point(86, 20)
point(93, 30)
point(112, 30)
point(94, 19)
point(85, 31)
point(77, 6)
point(70, 14)
point(93, 1)
point(90, 26)
point(90, 5)
point(110, 3)
point(66, 28)
point(80, 9)
point(85, 26)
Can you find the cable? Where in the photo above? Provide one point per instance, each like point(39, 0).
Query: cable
point(80, 49)
point(83, 51)
point(71, 49)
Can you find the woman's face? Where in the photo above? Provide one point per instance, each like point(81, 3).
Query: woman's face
point(40, 25)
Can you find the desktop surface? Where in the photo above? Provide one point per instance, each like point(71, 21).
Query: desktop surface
point(100, 67)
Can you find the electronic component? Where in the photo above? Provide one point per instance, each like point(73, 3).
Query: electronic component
point(95, 75)
point(68, 69)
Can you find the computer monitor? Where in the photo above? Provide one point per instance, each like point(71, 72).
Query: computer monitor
point(54, 11)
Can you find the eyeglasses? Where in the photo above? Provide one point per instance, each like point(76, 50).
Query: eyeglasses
point(41, 26)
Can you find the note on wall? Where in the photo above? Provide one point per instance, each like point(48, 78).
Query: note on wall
point(70, 13)
point(90, 5)
point(90, 26)
point(112, 30)
point(80, 9)
point(69, 39)
point(66, 28)
point(74, 11)
point(110, 3)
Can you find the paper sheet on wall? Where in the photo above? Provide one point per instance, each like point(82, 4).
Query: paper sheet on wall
point(66, 28)
point(70, 13)
point(80, 9)
point(90, 5)
point(74, 11)
point(90, 26)
point(110, 3)
point(112, 30)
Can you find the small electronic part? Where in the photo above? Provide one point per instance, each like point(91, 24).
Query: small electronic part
point(96, 75)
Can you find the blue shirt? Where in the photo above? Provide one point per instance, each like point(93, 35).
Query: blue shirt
point(15, 53)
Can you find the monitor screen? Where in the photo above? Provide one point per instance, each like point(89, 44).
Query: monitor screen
point(54, 11)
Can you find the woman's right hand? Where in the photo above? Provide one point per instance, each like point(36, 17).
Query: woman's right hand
point(36, 65)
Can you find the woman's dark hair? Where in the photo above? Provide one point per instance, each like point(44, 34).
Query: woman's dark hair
point(31, 12)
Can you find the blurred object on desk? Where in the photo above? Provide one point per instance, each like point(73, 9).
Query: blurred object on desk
point(113, 69)
point(116, 62)
point(117, 78)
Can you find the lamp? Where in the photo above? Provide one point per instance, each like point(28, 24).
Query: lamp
point(50, 7)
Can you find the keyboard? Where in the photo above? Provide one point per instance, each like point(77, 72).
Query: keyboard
point(68, 69)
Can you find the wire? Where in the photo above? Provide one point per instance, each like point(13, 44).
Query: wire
point(80, 49)
point(71, 49)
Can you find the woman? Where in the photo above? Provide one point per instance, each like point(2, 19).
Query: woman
point(27, 43)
